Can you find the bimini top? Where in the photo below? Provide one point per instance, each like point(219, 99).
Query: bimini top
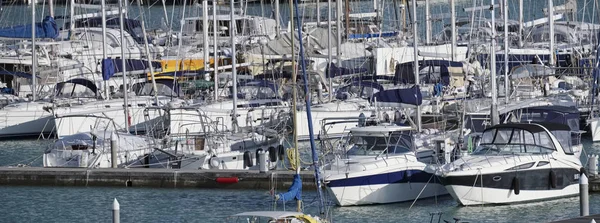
point(533, 127)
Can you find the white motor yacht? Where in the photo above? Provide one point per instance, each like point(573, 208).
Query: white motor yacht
point(514, 163)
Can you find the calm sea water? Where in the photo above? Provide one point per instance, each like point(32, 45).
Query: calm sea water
point(93, 204)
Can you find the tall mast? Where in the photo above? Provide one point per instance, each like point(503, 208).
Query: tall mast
point(33, 53)
point(452, 26)
point(428, 22)
point(338, 24)
point(124, 65)
point(347, 15)
point(494, 109)
point(416, 59)
point(104, 56)
point(329, 56)
point(205, 33)
point(147, 49)
point(51, 7)
point(313, 147)
point(505, 13)
point(551, 22)
point(72, 18)
point(215, 49)
point(277, 20)
point(295, 96)
point(233, 68)
point(520, 23)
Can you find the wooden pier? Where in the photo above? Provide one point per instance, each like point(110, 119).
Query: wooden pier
point(149, 177)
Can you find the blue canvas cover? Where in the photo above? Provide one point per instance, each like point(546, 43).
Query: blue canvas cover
point(112, 66)
point(410, 96)
point(45, 29)
point(295, 191)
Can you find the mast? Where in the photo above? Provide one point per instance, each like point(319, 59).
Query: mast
point(124, 66)
point(33, 53)
point(72, 18)
point(205, 33)
point(329, 56)
point(428, 22)
point(233, 69)
point(104, 56)
point(147, 49)
point(416, 60)
point(338, 24)
point(313, 147)
point(295, 96)
point(318, 12)
point(551, 23)
point(494, 108)
point(347, 14)
point(520, 23)
point(452, 26)
point(215, 49)
point(277, 20)
point(51, 7)
point(505, 13)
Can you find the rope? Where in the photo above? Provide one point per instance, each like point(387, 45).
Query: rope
point(291, 154)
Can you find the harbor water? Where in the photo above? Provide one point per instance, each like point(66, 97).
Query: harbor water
point(93, 204)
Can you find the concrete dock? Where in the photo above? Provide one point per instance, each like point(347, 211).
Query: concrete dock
point(149, 177)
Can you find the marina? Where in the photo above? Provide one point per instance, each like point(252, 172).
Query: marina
point(300, 111)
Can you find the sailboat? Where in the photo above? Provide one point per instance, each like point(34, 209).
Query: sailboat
point(295, 190)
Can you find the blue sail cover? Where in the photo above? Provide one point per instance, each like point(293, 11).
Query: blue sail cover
point(410, 96)
point(295, 191)
point(112, 66)
point(45, 29)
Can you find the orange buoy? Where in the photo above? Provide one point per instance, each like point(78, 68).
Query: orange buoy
point(227, 180)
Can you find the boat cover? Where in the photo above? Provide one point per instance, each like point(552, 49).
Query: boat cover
point(112, 66)
point(411, 96)
point(295, 191)
point(45, 29)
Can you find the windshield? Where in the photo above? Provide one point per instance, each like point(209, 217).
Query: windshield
point(164, 90)
point(397, 142)
point(503, 141)
point(255, 92)
point(71, 90)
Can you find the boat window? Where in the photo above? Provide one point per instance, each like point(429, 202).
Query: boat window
point(564, 138)
point(488, 137)
point(376, 145)
point(71, 90)
point(514, 141)
point(543, 163)
point(256, 92)
point(503, 136)
point(522, 166)
point(148, 90)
